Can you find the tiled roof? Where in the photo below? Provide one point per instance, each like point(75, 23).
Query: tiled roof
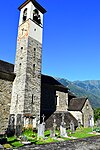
point(76, 104)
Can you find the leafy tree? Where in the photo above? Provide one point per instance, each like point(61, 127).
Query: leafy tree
point(96, 114)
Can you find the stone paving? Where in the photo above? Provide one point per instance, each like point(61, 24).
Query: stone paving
point(91, 143)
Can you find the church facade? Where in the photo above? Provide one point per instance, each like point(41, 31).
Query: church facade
point(26, 94)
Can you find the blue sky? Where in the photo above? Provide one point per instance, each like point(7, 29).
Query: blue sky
point(71, 37)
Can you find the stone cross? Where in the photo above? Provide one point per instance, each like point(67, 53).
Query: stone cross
point(62, 127)
point(63, 123)
point(43, 116)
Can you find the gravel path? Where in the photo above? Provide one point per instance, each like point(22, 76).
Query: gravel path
point(91, 143)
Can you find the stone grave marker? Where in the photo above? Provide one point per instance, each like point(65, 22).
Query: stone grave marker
point(72, 128)
point(40, 131)
point(1, 147)
point(63, 132)
point(91, 122)
point(41, 128)
point(52, 131)
point(79, 123)
point(18, 131)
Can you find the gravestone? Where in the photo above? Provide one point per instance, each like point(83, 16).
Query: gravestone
point(52, 133)
point(79, 123)
point(18, 131)
point(72, 128)
point(11, 129)
point(41, 128)
point(63, 132)
point(1, 147)
point(53, 130)
point(91, 122)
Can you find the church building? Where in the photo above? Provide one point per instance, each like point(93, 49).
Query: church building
point(25, 93)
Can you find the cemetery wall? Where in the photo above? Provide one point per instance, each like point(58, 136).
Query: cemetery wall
point(5, 100)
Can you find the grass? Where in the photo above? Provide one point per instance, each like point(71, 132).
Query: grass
point(14, 142)
point(82, 133)
point(32, 137)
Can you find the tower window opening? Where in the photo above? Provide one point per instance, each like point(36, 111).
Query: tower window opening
point(34, 53)
point(25, 15)
point(36, 16)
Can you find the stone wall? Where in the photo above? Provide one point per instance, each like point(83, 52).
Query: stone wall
point(87, 113)
point(77, 115)
point(62, 101)
point(5, 100)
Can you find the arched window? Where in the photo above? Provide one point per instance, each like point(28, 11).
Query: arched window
point(36, 16)
point(25, 14)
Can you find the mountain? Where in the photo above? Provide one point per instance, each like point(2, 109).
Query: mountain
point(88, 88)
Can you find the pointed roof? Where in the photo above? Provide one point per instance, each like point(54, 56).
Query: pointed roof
point(76, 104)
point(45, 79)
point(35, 3)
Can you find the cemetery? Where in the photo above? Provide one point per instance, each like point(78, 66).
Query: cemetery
point(36, 109)
point(40, 135)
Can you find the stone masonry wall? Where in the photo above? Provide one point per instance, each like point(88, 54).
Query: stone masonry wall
point(87, 113)
point(5, 100)
point(62, 98)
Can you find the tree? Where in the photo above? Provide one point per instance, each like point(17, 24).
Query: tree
point(96, 114)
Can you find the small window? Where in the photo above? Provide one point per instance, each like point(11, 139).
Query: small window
point(57, 100)
point(33, 69)
point(17, 100)
point(20, 66)
point(25, 15)
point(32, 98)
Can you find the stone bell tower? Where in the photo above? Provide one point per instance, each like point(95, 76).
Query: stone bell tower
point(26, 93)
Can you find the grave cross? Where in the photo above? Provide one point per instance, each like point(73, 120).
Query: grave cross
point(43, 116)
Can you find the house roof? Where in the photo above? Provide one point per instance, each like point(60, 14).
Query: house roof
point(76, 104)
point(6, 71)
point(45, 79)
point(71, 94)
point(35, 3)
point(6, 67)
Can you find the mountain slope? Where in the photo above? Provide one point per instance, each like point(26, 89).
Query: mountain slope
point(88, 89)
point(92, 86)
